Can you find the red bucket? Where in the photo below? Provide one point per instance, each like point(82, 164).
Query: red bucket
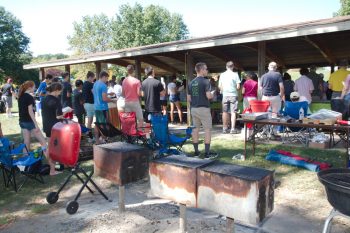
point(259, 105)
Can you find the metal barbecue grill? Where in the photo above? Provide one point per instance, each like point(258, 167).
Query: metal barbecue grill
point(337, 185)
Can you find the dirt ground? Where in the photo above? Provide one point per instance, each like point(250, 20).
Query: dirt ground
point(294, 212)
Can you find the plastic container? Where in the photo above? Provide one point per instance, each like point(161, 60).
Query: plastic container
point(259, 105)
point(64, 143)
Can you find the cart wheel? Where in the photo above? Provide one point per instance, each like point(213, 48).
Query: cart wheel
point(72, 207)
point(52, 197)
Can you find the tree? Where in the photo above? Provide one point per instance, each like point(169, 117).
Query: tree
point(132, 26)
point(92, 35)
point(48, 57)
point(137, 26)
point(344, 8)
point(13, 49)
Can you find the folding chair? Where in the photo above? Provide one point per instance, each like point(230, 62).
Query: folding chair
point(13, 161)
point(130, 131)
point(166, 140)
point(109, 131)
point(295, 134)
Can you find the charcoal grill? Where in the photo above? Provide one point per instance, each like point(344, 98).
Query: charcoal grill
point(337, 185)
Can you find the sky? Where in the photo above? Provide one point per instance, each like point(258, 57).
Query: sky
point(48, 23)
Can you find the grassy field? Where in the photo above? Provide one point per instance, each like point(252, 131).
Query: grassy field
point(31, 197)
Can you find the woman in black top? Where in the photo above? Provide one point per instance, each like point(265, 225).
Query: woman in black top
point(27, 119)
point(51, 111)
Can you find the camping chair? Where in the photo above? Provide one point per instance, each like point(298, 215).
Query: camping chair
point(265, 131)
point(166, 140)
point(130, 131)
point(13, 161)
point(295, 134)
point(108, 131)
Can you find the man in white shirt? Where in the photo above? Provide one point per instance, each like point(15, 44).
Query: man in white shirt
point(229, 84)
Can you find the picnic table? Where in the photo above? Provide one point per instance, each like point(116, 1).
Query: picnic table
point(257, 125)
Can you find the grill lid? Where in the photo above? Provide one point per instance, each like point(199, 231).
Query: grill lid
point(339, 178)
point(247, 173)
point(120, 147)
point(183, 161)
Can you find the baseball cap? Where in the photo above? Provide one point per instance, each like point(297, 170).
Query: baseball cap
point(294, 95)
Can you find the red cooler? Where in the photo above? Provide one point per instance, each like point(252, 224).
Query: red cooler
point(64, 143)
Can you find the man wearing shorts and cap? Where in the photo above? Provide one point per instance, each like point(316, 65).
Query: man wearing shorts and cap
point(198, 96)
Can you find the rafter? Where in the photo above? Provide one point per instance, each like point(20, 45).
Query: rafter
point(222, 56)
point(119, 62)
point(321, 47)
point(269, 54)
point(158, 63)
point(176, 56)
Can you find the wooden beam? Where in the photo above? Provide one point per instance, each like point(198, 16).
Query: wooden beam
point(222, 56)
point(189, 76)
point(119, 62)
point(261, 63)
point(67, 68)
point(176, 56)
point(42, 74)
point(138, 69)
point(98, 69)
point(269, 54)
point(321, 47)
point(158, 63)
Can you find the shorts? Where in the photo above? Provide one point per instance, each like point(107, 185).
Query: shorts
point(134, 106)
point(89, 109)
point(201, 116)
point(174, 98)
point(101, 116)
point(229, 104)
point(27, 125)
point(7, 100)
point(163, 103)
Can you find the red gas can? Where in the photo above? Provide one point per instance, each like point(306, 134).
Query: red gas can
point(64, 143)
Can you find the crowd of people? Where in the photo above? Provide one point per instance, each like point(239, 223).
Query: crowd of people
point(91, 98)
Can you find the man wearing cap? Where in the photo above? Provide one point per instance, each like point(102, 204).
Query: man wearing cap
point(7, 91)
point(295, 97)
point(273, 88)
point(337, 78)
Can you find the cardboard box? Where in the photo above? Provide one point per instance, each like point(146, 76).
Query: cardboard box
point(324, 145)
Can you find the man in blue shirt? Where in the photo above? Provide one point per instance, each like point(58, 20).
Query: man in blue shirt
point(101, 101)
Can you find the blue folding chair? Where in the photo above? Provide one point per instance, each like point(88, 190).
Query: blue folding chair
point(167, 142)
point(293, 134)
point(11, 159)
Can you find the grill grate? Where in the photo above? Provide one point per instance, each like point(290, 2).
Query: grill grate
point(183, 161)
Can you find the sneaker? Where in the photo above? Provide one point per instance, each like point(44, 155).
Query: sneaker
point(196, 154)
point(235, 131)
point(210, 155)
point(224, 131)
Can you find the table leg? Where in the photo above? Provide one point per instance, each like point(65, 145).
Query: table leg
point(245, 140)
point(253, 137)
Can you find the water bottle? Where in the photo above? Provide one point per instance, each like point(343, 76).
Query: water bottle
point(301, 114)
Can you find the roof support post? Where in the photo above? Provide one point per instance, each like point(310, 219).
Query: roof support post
point(98, 69)
point(261, 63)
point(189, 76)
point(42, 74)
point(138, 69)
point(67, 68)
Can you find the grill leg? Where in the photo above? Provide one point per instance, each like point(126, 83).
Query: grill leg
point(230, 225)
point(183, 219)
point(93, 183)
point(121, 200)
point(333, 213)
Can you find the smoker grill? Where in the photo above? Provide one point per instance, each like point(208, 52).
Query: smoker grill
point(337, 185)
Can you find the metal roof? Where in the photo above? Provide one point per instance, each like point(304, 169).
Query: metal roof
point(320, 42)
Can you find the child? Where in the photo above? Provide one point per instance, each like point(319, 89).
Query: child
point(249, 90)
point(51, 111)
point(78, 102)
